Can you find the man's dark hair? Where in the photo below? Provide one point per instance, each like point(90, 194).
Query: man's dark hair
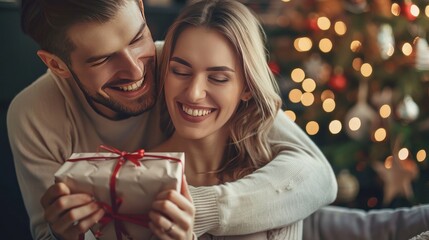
point(47, 21)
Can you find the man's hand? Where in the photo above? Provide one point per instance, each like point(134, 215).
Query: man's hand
point(69, 215)
point(173, 214)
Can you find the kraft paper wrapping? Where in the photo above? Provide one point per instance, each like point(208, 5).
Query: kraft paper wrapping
point(136, 186)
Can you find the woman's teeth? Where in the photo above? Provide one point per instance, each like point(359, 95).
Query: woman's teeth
point(195, 112)
point(132, 87)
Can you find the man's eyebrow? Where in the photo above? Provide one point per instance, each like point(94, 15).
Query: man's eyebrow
point(217, 68)
point(96, 58)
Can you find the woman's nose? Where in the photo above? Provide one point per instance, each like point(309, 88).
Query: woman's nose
point(196, 89)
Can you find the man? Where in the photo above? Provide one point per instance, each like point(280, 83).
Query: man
point(101, 89)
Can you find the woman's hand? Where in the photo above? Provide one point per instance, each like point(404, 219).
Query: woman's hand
point(69, 215)
point(172, 215)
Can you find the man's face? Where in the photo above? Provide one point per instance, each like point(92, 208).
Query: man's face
point(114, 63)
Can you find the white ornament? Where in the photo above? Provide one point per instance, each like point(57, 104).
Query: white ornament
point(361, 118)
point(408, 110)
point(386, 41)
point(422, 55)
point(366, 117)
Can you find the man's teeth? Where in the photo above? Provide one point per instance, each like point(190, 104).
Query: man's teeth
point(132, 87)
point(195, 112)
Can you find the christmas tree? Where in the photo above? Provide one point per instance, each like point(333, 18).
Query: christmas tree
point(354, 74)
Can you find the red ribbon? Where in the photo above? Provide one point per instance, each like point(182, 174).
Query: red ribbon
point(111, 212)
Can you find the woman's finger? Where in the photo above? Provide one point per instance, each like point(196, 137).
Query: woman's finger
point(177, 199)
point(184, 190)
point(159, 232)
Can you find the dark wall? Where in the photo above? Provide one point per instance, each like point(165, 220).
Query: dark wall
point(19, 66)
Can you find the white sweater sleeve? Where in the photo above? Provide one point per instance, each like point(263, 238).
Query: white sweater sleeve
point(297, 182)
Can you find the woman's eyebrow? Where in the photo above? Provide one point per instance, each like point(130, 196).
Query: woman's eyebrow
point(216, 68)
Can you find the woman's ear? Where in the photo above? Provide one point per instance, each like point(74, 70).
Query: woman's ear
point(246, 95)
point(54, 63)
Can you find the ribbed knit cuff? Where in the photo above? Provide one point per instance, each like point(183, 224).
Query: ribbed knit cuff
point(52, 233)
point(207, 214)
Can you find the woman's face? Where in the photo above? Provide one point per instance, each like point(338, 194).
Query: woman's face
point(204, 84)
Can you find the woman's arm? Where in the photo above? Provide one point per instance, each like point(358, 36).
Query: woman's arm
point(297, 182)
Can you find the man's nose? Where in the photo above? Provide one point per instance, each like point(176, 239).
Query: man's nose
point(131, 67)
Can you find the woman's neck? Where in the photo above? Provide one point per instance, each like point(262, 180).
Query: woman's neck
point(203, 157)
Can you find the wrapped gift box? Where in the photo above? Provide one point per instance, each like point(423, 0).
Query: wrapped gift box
point(134, 181)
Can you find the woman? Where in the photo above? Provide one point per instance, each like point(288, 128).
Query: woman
point(221, 99)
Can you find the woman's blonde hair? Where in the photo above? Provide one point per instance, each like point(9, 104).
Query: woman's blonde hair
point(249, 148)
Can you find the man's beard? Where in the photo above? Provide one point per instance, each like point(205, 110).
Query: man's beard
point(122, 111)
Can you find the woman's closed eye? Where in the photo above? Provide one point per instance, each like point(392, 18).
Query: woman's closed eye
point(218, 78)
point(180, 72)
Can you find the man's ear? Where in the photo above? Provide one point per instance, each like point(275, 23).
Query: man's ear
point(141, 6)
point(54, 63)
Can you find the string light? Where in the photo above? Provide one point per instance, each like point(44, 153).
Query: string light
point(303, 44)
point(407, 49)
point(395, 9)
point(297, 75)
point(366, 69)
point(421, 155)
point(340, 28)
point(323, 23)
point(307, 99)
point(328, 105)
point(403, 153)
point(415, 10)
point(325, 45)
point(388, 162)
point(380, 134)
point(354, 124)
point(312, 128)
point(390, 50)
point(335, 126)
point(385, 111)
point(309, 85)
point(295, 95)
point(291, 114)
point(355, 46)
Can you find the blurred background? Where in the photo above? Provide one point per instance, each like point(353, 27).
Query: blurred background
point(353, 74)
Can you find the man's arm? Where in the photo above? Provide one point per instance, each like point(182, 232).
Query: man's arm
point(37, 151)
point(344, 223)
point(297, 182)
